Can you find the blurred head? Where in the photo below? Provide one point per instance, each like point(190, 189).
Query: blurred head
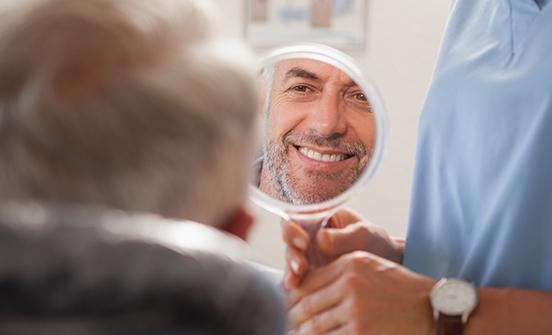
point(133, 104)
point(320, 132)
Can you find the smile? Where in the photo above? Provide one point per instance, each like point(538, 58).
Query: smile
point(322, 157)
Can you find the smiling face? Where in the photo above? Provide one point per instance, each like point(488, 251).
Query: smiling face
point(320, 133)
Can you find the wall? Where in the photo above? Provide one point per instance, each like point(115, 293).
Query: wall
point(402, 43)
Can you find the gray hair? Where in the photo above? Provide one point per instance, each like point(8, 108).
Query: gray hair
point(267, 74)
point(134, 104)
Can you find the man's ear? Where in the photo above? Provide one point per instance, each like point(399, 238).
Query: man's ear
point(239, 223)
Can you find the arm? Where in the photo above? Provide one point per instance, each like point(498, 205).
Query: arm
point(361, 293)
point(511, 311)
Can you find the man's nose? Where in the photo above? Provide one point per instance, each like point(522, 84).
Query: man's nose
point(328, 117)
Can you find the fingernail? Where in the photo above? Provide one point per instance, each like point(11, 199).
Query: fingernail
point(299, 243)
point(295, 266)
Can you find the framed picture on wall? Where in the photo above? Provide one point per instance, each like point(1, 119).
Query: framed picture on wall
point(339, 23)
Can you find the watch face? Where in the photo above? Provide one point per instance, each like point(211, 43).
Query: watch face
point(454, 297)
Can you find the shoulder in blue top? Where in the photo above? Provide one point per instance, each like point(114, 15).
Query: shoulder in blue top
point(481, 206)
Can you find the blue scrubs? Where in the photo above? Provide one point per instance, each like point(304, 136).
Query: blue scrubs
point(481, 205)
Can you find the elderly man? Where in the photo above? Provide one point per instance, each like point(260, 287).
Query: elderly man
point(131, 105)
point(320, 132)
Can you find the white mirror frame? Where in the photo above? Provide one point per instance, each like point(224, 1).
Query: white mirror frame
point(348, 65)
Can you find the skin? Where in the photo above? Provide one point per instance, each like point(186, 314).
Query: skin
point(239, 223)
point(367, 291)
point(315, 106)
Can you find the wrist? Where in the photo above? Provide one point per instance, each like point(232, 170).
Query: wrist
point(452, 301)
point(426, 324)
point(420, 308)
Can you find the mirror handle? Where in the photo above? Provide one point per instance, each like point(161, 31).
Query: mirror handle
point(314, 256)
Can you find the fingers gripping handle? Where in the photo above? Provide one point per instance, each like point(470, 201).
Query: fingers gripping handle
point(314, 256)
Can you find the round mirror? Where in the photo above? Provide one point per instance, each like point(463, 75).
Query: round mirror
point(323, 133)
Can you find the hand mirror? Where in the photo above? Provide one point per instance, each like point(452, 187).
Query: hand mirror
point(323, 135)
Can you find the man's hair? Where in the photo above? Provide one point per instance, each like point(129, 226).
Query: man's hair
point(134, 104)
point(267, 74)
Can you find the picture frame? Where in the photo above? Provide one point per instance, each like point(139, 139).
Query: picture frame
point(339, 23)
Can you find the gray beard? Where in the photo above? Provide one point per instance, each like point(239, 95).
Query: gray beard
point(282, 180)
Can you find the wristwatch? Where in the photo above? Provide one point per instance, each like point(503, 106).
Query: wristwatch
point(452, 300)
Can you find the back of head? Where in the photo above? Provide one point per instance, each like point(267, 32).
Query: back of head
point(133, 104)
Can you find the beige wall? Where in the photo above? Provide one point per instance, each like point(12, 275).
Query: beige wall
point(402, 43)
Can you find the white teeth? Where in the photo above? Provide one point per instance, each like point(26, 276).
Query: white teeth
point(321, 157)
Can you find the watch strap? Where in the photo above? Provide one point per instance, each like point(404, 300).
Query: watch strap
point(450, 325)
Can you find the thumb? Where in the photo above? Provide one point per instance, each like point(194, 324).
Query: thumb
point(339, 241)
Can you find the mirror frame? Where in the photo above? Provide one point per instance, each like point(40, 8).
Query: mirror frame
point(348, 65)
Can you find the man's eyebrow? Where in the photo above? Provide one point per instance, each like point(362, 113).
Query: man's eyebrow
point(350, 84)
point(301, 73)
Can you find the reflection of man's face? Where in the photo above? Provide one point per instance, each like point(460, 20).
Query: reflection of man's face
point(320, 132)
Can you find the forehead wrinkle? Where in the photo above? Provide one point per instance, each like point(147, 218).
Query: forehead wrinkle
point(350, 84)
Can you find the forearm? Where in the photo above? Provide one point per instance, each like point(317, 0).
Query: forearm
point(511, 311)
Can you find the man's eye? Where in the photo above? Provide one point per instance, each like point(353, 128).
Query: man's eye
point(301, 88)
point(359, 100)
point(360, 97)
